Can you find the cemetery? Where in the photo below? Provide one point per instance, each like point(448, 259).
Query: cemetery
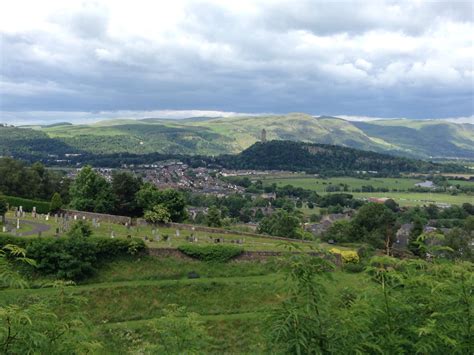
point(32, 224)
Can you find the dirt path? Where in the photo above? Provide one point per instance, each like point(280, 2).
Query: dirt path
point(37, 227)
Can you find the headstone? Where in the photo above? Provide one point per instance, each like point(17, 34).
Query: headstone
point(83, 218)
point(56, 217)
point(75, 217)
point(47, 217)
point(33, 212)
point(177, 232)
point(17, 223)
point(112, 234)
point(4, 229)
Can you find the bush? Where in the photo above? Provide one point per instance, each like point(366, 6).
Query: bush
point(353, 268)
point(348, 256)
point(211, 253)
point(73, 258)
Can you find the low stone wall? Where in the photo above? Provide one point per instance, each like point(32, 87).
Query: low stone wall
point(246, 255)
point(98, 216)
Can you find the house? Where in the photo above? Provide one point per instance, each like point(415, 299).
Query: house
point(427, 184)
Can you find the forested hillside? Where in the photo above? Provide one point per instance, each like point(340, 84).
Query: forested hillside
point(321, 158)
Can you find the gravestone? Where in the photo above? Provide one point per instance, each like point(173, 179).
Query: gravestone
point(33, 212)
point(112, 234)
point(75, 217)
point(17, 223)
point(177, 232)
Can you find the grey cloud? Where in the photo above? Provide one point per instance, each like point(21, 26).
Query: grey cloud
point(317, 57)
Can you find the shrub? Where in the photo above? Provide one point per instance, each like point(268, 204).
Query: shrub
point(211, 253)
point(80, 229)
point(73, 258)
point(348, 256)
point(353, 268)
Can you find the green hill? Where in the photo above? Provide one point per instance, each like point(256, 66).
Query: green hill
point(320, 158)
point(215, 136)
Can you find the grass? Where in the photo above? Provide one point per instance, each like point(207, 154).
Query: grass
point(233, 300)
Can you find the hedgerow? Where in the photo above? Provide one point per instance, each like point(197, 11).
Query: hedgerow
point(27, 204)
point(211, 253)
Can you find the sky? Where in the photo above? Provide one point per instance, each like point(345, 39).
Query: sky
point(87, 60)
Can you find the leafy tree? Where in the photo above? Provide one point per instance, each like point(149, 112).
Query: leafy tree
point(340, 231)
point(91, 192)
point(300, 324)
point(172, 200)
point(124, 188)
point(469, 224)
point(459, 242)
point(214, 217)
point(392, 205)
point(283, 224)
point(159, 214)
point(177, 332)
point(375, 224)
point(56, 202)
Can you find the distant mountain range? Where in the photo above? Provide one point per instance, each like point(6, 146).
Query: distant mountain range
point(213, 136)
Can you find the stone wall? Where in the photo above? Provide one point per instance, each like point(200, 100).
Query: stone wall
point(198, 228)
point(98, 216)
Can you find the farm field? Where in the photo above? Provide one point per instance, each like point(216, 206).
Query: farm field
point(403, 198)
point(232, 300)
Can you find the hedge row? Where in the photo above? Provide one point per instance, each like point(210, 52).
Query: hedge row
point(73, 258)
point(211, 253)
point(41, 206)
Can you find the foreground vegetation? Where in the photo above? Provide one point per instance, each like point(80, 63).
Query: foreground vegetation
point(289, 305)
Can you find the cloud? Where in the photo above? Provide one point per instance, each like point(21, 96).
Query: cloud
point(383, 59)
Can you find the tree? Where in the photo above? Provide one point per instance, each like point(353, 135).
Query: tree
point(3, 208)
point(375, 224)
point(159, 214)
point(173, 200)
point(177, 332)
point(124, 188)
point(91, 192)
point(56, 202)
point(392, 205)
point(300, 324)
point(214, 217)
point(282, 224)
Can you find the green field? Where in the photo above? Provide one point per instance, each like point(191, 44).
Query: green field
point(403, 198)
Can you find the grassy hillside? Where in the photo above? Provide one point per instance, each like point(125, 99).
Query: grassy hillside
point(213, 136)
point(424, 138)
